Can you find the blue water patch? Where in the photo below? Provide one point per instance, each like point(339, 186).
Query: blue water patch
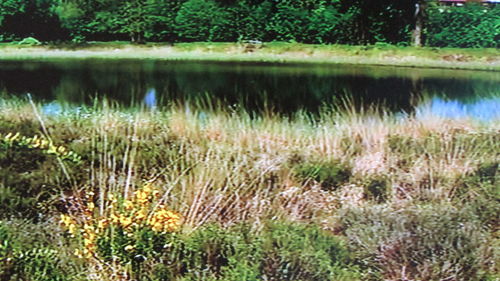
point(150, 98)
point(62, 109)
point(52, 109)
point(486, 109)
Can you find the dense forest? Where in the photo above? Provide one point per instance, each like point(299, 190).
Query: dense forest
point(307, 21)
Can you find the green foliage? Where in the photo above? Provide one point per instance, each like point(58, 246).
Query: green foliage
point(203, 20)
point(43, 23)
point(21, 185)
point(215, 252)
point(480, 192)
point(281, 251)
point(29, 41)
point(25, 163)
point(288, 23)
point(471, 26)
point(70, 15)
point(420, 242)
point(329, 174)
point(311, 21)
point(301, 252)
point(249, 20)
point(377, 189)
point(131, 249)
point(369, 22)
point(26, 254)
point(162, 20)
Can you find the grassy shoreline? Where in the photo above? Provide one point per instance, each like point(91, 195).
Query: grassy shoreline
point(346, 196)
point(473, 59)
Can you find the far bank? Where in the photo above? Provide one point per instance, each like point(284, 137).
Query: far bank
point(274, 52)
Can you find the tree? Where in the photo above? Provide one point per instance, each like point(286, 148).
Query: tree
point(385, 21)
point(43, 23)
point(419, 15)
point(161, 20)
point(204, 20)
point(135, 16)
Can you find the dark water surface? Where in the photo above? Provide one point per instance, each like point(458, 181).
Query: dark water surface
point(282, 87)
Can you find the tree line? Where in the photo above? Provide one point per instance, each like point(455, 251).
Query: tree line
point(308, 21)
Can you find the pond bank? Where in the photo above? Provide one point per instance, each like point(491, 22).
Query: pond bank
point(475, 59)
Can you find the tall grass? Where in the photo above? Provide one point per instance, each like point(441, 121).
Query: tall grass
point(229, 167)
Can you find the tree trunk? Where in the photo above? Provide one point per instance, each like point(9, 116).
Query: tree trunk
point(419, 24)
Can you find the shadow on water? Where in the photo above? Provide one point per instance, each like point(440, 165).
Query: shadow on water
point(284, 89)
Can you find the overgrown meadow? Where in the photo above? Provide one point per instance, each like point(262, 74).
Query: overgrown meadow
point(189, 193)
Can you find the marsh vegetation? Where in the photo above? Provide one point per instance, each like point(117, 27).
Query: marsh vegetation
point(346, 194)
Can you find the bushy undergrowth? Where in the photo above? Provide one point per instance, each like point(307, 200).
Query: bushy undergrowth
point(330, 175)
point(427, 242)
point(346, 196)
point(30, 252)
point(280, 251)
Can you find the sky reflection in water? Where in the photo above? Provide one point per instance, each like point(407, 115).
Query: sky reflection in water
point(486, 109)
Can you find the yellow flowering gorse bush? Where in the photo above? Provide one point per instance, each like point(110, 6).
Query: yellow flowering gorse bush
point(40, 143)
point(123, 220)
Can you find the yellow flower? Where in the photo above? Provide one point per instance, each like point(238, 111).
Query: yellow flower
point(88, 242)
point(72, 229)
point(129, 248)
point(141, 197)
point(158, 227)
point(125, 221)
point(114, 218)
point(78, 253)
point(102, 223)
point(147, 188)
point(66, 220)
point(128, 205)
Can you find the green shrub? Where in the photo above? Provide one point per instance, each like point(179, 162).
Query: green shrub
point(329, 174)
point(479, 191)
point(288, 22)
point(162, 20)
point(420, 242)
point(249, 21)
point(203, 20)
point(27, 252)
point(377, 189)
point(471, 26)
point(488, 172)
point(25, 163)
point(214, 253)
point(29, 41)
point(281, 251)
point(303, 252)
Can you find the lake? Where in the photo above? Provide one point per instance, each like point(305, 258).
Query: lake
point(284, 88)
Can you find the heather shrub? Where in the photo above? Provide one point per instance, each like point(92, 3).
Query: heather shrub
point(329, 174)
point(29, 252)
point(280, 251)
point(433, 242)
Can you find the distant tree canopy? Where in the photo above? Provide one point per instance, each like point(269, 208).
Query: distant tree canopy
point(308, 21)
